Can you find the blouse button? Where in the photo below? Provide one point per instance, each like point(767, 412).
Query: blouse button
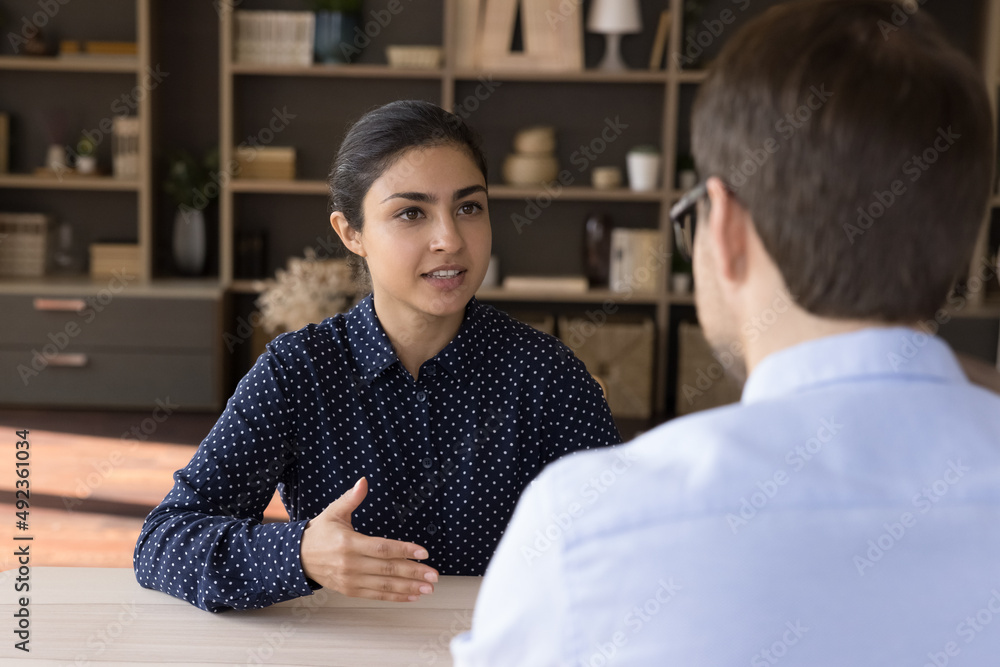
point(421, 396)
point(431, 528)
point(427, 462)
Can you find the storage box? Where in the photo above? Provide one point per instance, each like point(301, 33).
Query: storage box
point(702, 382)
point(266, 162)
point(106, 259)
point(620, 353)
point(638, 261)
point(24, 244)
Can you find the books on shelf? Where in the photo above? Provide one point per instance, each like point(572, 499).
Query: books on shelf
point(571, 284)
point(106, 259)
point(24, 241)
point(274, 38)
point(125, 146)
point(660, 41)
point(552, 34)
point(639, 260)
point(266, 162)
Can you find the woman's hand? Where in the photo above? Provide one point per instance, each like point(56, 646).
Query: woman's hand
point(335, 556)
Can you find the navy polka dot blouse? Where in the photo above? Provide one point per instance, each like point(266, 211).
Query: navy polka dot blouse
point(446, 455)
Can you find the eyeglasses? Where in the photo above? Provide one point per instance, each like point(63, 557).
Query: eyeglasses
point(684, 215)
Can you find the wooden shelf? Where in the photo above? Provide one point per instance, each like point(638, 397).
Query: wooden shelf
point(336, 71)
point(585, 76)
point(190, 288)
point(554, 296)
point(98, 64)
point(295, 187)
point(690, 76)
point(69, 182)
point(574, 193)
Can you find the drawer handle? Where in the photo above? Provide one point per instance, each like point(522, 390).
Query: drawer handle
point(68, 360)
point(73, 305)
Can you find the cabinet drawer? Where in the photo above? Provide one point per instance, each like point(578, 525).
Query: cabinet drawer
point(129, 322)
point(111, 379)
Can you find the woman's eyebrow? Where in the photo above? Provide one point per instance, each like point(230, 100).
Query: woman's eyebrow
point(429, 198)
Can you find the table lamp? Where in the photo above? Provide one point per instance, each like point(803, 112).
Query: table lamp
point(614, 18)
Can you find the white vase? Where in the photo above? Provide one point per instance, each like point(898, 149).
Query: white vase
point(643, 171)
point(189, 241)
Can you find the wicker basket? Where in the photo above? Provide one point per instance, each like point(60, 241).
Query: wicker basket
point(701, 379)
point(24, 244)
point(414, 57)
point(620, 353)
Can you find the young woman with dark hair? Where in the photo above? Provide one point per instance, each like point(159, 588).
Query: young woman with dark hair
point(399, 432)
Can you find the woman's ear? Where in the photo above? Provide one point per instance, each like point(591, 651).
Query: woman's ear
point(350, 236)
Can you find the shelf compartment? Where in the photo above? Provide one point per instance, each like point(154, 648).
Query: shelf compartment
point(574, 193)
point(335, 71)
point(296, 187)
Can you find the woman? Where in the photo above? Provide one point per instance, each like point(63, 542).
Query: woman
point(425, 411)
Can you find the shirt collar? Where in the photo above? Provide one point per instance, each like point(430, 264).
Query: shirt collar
point(373, 352)
point(884, 353)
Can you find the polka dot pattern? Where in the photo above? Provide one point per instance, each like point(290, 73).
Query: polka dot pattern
point(446, 455)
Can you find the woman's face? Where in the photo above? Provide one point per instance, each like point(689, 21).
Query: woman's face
point(427, 235)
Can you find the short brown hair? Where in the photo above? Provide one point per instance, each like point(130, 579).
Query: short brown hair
point(861, 142)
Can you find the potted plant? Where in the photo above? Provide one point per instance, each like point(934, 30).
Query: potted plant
point(190, 183)
point(86, 158)
point(336, 23)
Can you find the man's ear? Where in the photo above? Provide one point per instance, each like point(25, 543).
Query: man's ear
point(350, 236)
point(728, 232)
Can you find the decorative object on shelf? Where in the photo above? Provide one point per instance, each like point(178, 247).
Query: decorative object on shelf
point(36, 44)
point(687, 177)
point(660, 41)
point(638, 261)
point(619, 352)
point(597, 249)
point(24, 251)
point(55, 159)
point(552, 34)
point(337, 32)
point(188, 184)
point(643, 164)
point(66, 259)
point(268, 162)
point(274, 38)
point(534, 161)
point(86, 160)
point(309, 291)
point(251, 254)
point(568, 284)
point(606, 178)
point(4, 143)
point(109, 259)
point(492, 277)
point(680, 274)
point(614, 18)
point(414, 56)
point(125, 146)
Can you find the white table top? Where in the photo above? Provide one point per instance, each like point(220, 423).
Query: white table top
point(91, 616)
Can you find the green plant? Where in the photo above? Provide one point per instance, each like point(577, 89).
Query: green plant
point(85, 147)
point(345, 6)
point(188, 179)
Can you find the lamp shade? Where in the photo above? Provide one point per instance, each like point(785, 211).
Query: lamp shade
point(614, 17)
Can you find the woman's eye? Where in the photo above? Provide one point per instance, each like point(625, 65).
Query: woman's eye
point(468, 208)
point(411, 214)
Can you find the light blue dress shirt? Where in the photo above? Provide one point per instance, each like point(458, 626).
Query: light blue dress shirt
point(845, 512)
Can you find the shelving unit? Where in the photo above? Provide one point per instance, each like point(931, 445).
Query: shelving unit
point(658, 103)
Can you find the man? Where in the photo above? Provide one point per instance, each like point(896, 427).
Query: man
point(847, 510)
